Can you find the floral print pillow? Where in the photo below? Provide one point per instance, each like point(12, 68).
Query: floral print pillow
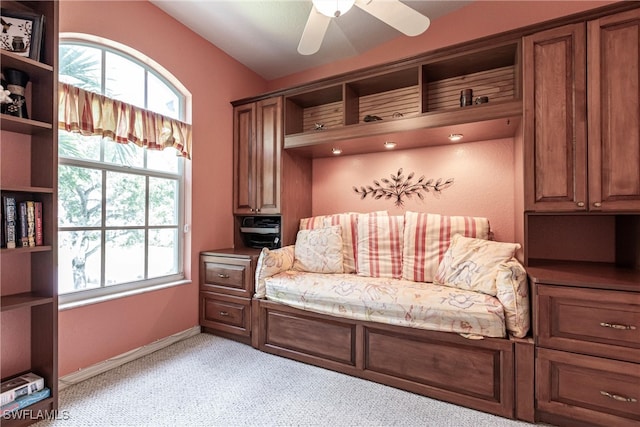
point(471, 264)
point(513, 294)
point(270, 262)
point(319, 250)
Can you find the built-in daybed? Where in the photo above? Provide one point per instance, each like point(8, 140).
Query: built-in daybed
point(422, 302)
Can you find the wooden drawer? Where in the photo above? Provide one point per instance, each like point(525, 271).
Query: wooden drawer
point(225, 313)
point(589, 321)
point(590, 389)
point(226, 275)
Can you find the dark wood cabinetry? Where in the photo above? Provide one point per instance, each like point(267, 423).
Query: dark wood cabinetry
point(582, 196)
point(614, 112)
point(554, 119)
point(587, 336)
point(581, 116)
point(267, 179)
point(226, 289)
point(29, 301)
point(416, 103)
point(257, 150)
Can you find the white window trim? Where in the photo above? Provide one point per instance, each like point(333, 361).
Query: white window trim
point(68, 302)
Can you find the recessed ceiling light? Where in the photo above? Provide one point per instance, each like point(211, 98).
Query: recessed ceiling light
point(455, 137)
point(389, 145)
point(336, 151)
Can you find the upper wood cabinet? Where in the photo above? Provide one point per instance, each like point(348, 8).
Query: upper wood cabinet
point(614, 111)
point(257, 151)
point(267, 179)
point(555, 131)
point(571, 163)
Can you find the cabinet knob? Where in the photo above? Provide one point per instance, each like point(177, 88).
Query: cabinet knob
point(224, 313)
point(597, 204)
point(580, 204)
point(223, 276)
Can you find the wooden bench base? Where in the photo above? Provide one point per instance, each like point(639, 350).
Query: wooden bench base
point(479, 374)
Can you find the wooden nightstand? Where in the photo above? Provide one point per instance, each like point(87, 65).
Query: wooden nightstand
point(226, 289)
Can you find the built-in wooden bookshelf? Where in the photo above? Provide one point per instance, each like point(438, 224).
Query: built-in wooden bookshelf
point(414, 104)
point(28, 149)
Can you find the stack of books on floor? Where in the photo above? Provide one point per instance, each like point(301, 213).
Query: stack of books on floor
point(19, 392)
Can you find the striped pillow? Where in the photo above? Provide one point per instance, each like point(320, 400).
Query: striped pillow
point(349, 223)
point(427, 237)
point(379, 245)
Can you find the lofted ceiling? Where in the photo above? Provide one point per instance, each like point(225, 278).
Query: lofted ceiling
point(264, 34)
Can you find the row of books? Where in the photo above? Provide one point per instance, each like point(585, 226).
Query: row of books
point(21, 223)
point(19, 392)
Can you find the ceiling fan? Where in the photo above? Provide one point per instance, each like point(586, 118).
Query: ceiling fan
point(392, 12)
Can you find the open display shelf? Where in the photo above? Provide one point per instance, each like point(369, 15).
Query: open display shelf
point(28, 301)
point(413, 105)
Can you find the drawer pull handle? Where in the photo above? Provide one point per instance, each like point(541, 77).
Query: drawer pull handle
point(618, 397)
point(223, 276)
point(617, 326)
point(224, 313)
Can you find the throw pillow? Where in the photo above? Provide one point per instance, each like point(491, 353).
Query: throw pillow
point(427, 237)
point(319, 250)
point(471, 264)
point(513, 293)
point(270, 262)
point(379, 248)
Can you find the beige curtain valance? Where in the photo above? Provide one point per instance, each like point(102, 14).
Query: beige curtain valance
point(93, 114)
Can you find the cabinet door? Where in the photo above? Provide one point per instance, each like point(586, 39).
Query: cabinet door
point(269, 149)
point(614, 112)
point(244, 159)
point(555, 119)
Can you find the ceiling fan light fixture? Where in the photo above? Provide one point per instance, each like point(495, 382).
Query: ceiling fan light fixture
point(333, 8)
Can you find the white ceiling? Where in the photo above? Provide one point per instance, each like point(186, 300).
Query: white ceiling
point(264, 34)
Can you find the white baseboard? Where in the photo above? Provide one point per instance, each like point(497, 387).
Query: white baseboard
point(114, 362)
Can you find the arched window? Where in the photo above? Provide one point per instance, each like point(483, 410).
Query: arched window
point(120, 205)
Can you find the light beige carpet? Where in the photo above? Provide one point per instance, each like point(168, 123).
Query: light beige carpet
point(211, 381)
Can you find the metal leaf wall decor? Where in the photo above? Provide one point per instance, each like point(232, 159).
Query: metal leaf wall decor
point(400, 186)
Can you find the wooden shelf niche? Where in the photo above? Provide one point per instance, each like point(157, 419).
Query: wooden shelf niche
point(418, 104)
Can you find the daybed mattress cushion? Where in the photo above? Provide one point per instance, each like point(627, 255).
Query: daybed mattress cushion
point(391, 301)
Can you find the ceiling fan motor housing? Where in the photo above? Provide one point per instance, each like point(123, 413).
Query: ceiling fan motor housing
point(333, 8)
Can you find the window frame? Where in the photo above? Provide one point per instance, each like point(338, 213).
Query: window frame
point(104, 291)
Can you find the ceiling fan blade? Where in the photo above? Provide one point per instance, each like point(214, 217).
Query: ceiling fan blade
point(396, 14)
point(313, 32)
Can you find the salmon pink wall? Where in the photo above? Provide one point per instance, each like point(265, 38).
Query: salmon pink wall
point(478, 19)
point(94, 333)
point(483, 174)
point(488, 176)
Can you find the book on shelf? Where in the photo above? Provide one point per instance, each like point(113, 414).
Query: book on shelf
point(20, 386)
point(24, 401)
point(9, 223)
point(38, 223)
point(31, 223)
point(23, 222)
